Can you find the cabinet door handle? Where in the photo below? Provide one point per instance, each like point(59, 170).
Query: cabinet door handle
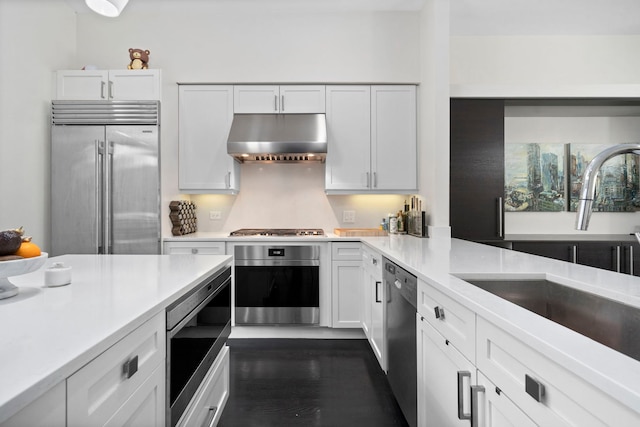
point(275, 103)
point(227, 180)
point(194, 251)
point(102, 85)
point(130, 367)
point(374, 261)
point(375, 180)
point(282, 103)
point(618, 260)
point(378, 291)
point(211, 414)
point(461, 376)
point(574, 254)
point(475, 391)
point(500, 217)
point(439, 311)
point(631, 260)
point(534, 388)
point(111, 92)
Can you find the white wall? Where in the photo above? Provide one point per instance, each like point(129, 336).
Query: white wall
point(36, 38)
point(433, 120)
point(225, 45)
point(545, 60)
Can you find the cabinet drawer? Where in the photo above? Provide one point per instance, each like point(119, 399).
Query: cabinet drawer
point(566, 400)
point(207, 405)
point(372, 261)
point(146, 406)
point(346, 251)
point(101, 387)
point(454, 321)
point(198, 248)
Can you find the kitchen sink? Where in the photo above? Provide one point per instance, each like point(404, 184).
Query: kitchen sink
point(608, 322)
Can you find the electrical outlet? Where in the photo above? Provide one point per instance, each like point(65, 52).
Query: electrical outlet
point(215, 215)
point(349, 216)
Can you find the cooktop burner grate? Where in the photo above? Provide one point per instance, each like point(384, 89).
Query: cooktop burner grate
point(277, 232)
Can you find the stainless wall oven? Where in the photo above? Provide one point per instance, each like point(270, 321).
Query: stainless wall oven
point(198, 325)
point(277, 284)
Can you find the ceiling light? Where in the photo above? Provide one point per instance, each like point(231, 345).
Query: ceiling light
point(110, 8)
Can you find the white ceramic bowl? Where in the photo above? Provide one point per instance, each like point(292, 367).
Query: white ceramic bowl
point(16, 268)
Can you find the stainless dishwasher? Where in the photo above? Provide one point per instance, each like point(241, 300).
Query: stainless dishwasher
point(402, 368)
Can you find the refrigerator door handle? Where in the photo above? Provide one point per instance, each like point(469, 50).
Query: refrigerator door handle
point(107, 197)
point(99, 200)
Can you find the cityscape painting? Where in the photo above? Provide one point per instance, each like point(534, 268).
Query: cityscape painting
point(535, 178)
point(617, 188)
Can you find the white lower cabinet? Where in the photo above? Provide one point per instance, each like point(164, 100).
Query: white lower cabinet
point(124, 385)
point(444, 379)
point(207, 405)
point(372, 307)
point(549, 394)
point(494, 409)
point(346, 288)
point(145, 407)
point(452, 392)
point(196, 248)
point(46, 411)
point(453, 320)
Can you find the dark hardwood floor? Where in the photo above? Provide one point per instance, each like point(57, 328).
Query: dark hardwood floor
point(307, 382)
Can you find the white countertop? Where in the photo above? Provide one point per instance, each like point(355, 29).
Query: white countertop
point(49, 333)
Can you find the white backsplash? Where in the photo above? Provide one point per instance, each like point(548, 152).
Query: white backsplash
point(289, 196)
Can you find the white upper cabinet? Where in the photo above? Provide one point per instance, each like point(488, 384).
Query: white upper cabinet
point(81, 85)
point(394, 138)
point(302, 99)
point(271, 99)
point(348, 161)
point(372, 139)
point(205, 115)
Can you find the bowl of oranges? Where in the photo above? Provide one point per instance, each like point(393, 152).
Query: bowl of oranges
point(18, 255)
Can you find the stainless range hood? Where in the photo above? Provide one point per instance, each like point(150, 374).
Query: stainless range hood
point(278, 138)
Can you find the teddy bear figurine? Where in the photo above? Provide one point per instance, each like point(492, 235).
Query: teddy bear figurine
point(139, 59)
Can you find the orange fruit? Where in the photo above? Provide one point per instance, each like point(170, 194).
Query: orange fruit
point(28, 249)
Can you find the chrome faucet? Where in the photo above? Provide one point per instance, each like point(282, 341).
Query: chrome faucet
point(588, 190)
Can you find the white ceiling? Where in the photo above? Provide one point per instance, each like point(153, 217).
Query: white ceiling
point(468, 17)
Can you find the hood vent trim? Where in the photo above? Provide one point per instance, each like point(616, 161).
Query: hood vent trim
point(283, 158)
point(278, 138)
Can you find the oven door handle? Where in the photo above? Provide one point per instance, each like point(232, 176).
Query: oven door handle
point(172, 332)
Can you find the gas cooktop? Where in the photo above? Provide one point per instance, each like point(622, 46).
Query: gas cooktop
point(277, 232)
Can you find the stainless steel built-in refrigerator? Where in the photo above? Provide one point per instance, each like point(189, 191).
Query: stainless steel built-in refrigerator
point(105, 177)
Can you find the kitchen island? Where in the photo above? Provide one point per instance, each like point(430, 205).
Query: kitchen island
point(583, 377)
point(49, 333)
point(442, 264)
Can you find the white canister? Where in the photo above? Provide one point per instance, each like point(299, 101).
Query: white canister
point(393, 224)
point(57, 275)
